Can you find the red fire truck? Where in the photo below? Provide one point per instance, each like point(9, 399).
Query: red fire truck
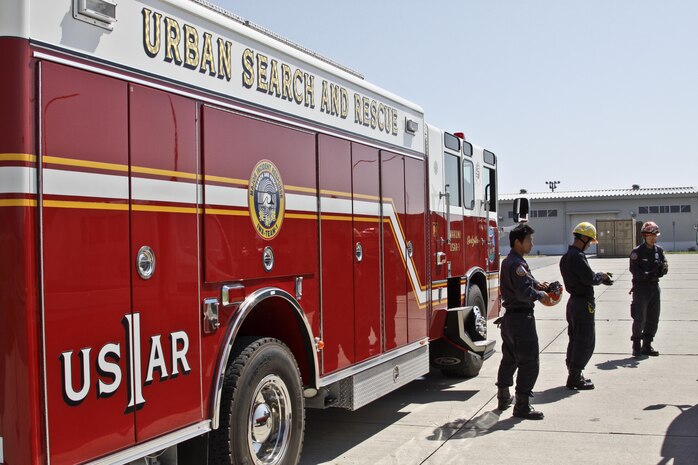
point(206, 229)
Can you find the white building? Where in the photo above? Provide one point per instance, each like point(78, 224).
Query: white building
point(554, 214)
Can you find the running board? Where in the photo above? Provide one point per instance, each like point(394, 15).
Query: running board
point(355, 391)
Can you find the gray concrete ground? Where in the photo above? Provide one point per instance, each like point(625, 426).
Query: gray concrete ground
point(643, 411)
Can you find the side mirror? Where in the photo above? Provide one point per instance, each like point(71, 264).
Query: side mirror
point(521, 208)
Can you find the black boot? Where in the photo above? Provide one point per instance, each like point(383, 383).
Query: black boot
point(577, 381)
point(504, 398)
point(647, 349)
point(637, 349)
point(523, 409)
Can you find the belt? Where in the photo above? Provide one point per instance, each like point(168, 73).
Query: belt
point(519, 310)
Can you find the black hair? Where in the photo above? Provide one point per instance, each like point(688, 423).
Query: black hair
point(582, 238)
point(519, 233)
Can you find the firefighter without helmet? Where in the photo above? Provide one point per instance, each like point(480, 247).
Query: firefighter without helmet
point(586, 229)
point(650, 227)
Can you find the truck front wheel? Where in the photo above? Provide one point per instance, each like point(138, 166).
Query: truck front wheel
point(262, 411)
point(467, 364)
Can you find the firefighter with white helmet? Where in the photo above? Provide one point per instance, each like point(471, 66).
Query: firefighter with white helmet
point(647, 265)
point(579, 281)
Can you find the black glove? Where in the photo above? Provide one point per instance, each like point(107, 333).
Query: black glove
point(664, 269)
point(607, 280)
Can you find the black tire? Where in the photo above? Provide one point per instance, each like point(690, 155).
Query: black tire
point(262, 418)
point(470, 364)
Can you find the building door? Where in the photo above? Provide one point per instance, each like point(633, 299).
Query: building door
point(576, 218)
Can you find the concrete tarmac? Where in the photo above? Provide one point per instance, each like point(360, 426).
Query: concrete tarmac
point(643, 410)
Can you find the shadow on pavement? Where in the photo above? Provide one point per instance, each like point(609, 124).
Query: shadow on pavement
point(481, 425)
point(680, 445)
point(628, 362)
point(331, 432)
point(552, 395)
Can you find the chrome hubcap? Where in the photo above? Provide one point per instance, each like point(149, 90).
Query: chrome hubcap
point(270, 421)
point(480, 322)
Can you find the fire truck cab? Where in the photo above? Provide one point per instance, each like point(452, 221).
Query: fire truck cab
point(465, 263)
point(205, 229)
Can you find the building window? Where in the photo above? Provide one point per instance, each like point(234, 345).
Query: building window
point(543, 213)
point(537, 214)
point(647, 209)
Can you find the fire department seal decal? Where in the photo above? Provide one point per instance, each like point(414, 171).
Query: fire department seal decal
point(266, 199)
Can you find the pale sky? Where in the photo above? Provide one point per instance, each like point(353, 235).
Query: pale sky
point(596, 94)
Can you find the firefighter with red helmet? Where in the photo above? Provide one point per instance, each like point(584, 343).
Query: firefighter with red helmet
point(647, 265)
point(579, 281)
point(519, 291)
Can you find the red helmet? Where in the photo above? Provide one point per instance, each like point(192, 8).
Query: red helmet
point(650, 227)
point(554, 291)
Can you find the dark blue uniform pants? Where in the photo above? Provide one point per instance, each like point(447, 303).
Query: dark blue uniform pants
point(581, 329)
point(645, 311)
point(519, 351)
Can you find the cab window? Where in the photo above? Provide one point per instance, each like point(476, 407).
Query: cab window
point(467, 149)
point(452, 178)
point(468, 185)
point(490, 185)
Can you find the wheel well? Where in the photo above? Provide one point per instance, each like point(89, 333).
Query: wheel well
point(479, 280)
point(275, 317)
point(454, 293)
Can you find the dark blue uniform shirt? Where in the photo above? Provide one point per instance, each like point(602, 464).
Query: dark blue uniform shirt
point(646, 264)
point(517, 285)
point(577, 275)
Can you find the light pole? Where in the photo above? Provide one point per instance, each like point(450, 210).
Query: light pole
point(552, 185)
point(673, 233)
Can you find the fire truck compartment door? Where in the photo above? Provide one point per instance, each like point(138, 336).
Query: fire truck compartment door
point(338, 253)
point(164, 217)
point(394, 249)
point(87, 263)
point(260, 201)
point(118, 172)
point(367, 230)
